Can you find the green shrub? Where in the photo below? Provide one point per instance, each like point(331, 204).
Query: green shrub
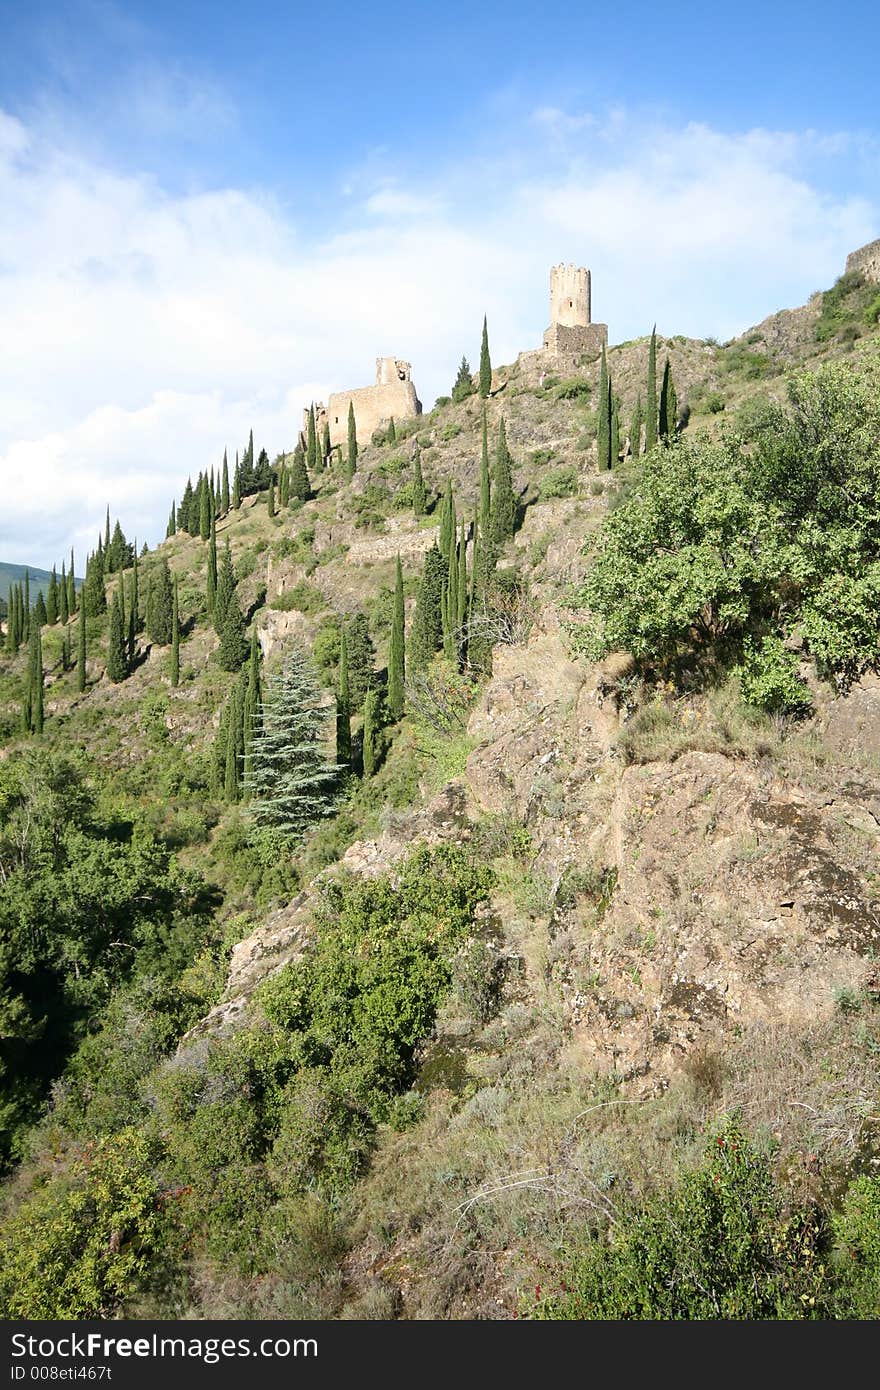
point(857, 1230)
point(559, 482)
point(769, 678)
point(723, 1244)
point(575, 388)
point(303, 597)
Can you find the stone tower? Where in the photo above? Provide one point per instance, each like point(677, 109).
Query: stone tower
point(570, 296)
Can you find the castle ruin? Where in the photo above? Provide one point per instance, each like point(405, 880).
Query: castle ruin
point(866, 261)
point(393, 395)
point(572, 335)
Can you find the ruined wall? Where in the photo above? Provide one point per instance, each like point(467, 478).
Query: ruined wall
point(570, 296)
point(393, 395)
point(563, 341)
point(867, 260)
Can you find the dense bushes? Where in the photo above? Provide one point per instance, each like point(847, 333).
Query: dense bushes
point(726, 1242)
point(763, 535)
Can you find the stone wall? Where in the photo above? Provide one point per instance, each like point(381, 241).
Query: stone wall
point(867, 260)
point(564, 341)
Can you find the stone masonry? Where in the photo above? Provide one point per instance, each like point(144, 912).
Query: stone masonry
point(393, 395)
point(867, 260)
point(572, 335)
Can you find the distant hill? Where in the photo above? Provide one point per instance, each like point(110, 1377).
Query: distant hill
point(14, 574)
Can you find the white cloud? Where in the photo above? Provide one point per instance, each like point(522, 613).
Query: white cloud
point(145, 331)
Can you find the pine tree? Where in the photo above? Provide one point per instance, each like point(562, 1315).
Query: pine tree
point(463, 386)
point(420, 500)
point(228, 620)
point(397, 655)
point(651, 405)
point(343, 707)
point(52, 599)
point(603, 434)
point(224, 489)
point(117, 665)
point(312, 442)
point(503, 496)
point(291, 781)
point(81, 653)
point(485, 363)
point(426, 636)
point(485, 485)
point(369, 743)
point(300, 484)
point(635, 428)
point(351, 456)
point(175, 637)
point(161, 608)
point(63, 607)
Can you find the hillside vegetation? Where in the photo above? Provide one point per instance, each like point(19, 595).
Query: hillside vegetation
point(443, 882)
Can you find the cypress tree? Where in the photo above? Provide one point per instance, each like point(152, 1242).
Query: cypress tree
point(234, 744)
point(236, 484)
point(291, 781)
point(283, 484)
point(604, 428)
point(63, 608)
point(224, 489)
point(228, 620)
point(447, 521)
point(253, 696)
point(361, 657)
point(270, 497)
point(370, 751)
point(325, 442)
point(503, 497)
point(635, 428)
point(300, 484)
point(117, 666)
point(171, 528)
point(107, 556)
point(71, 588)
point(36, 679)
point(65, 650)
point(391, 434)
point(312, 442)
point(668, 405)
point(11, 621)
point(485, 485)
point(206, 507)
point(651, 403)
point(462, 577)
point(615, 431)
point(94, 599)
point(343, 707)
point(420, 500)
point(81, 653)
point(40, 610)
point(27, 603)
point(485, 363)
point(52, 599)
point(396, 655)
point(135, 615)
point(426, 636)
point(351, 462)
point(175, 637)
point(160, 610)
point(218, 500)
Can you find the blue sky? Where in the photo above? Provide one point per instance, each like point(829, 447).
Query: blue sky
point(211, 213)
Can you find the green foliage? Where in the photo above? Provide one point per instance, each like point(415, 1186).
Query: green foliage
point(160, 603)
point(769, 678)
point(117, 647)
point(722, 1244)
point(558, 482)
point(290, 779)
point(463, 386)
point(228, 619)
point(503, 498)
point(741, 360)
point(575, 388)
point(302, 596)
point(397, 654)
point(753, 536)
point(846, 306)
point(485, 363)
point(426, 636)
point(78, 1249)
point(857, 1231)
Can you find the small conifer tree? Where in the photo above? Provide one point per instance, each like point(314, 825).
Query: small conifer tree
point(485, 363)
point(397, 655)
